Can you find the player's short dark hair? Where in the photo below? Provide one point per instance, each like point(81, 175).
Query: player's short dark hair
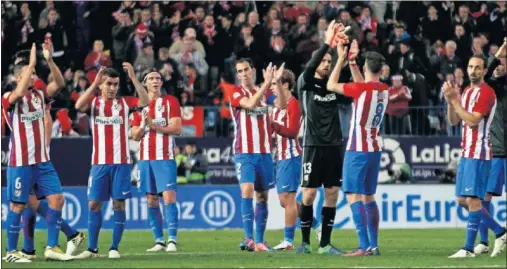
point(244, 60)
point(112, 73)
point(479, 56)
point(288, 77)
point(374, 61)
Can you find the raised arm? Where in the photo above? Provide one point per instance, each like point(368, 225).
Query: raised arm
point(27, 72)
point(281, 97)
point(144, 100)
point(252, 102)
point(58, 81)
point(501, 53)
point(83, 102)
point(354, 69)
point(332, 83)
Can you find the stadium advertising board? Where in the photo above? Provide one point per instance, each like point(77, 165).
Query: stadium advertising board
point(422, 156)
point(218, 207)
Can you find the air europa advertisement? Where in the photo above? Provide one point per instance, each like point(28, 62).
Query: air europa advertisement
point(219, 207)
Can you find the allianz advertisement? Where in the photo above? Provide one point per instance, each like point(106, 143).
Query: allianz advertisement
point(218, 207)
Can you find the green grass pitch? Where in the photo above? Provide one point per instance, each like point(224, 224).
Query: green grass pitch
point(219, 249)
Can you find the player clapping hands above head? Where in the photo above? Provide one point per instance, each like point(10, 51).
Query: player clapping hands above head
point(111, 164)
point(322, 142)
point(362, 158)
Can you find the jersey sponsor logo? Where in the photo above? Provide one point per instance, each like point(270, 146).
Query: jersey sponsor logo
point(32, 116)
point(257, 111)
point(159, 122)
point(328, 98)
point(108, 120)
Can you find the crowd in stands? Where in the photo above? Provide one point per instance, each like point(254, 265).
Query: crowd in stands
point(194, 44)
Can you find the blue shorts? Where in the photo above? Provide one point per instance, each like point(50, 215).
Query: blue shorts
point(471, 177)
point(109, 180)
point(157, 176)
point(257, 169)
point(497, 175)
point(288, 174)
point(360, 172)
point(42, 177)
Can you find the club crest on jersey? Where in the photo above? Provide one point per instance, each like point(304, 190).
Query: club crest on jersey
point(160, 108)
point(117, 107)
point(472, 103)
point(36, 103)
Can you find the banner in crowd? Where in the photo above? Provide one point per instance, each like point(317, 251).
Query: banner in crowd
point(219, 207)
point(192, 119)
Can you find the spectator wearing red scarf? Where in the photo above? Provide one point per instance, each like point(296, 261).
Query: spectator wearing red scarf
point(397, 109)
point(96, 59)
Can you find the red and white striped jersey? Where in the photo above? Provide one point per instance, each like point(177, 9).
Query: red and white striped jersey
point(110, 126)
point(155, 145)
point(476, 142)
point(25, 118)
point(252, 127)
point(286, 124)
point(370, 104)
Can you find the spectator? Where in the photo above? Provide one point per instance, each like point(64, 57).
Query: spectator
point(85, 11)
point(398, 120)
point(493, 49)
point(196, 165)
point(369, 43)
point(62, 126)
point(459, 79)
point(240, 19)
point(279, 52)
point(188, 54)
point(407, 61)
point(135, 44)
point(433, 27)
point(146, 18)
point(44, 13)
point(176, 47)
point(332, 10)
point(477, 48)
point(247, 46)
point(180, 159)
point(96, 59)
point(321, 28)
point(463, 41)
point(450, 61)
point(56, 33)
point(276, 28)
point(386, 73)
point(436, 53)
point(304, 51)
point(228, 34)
point(272, 15)
point(497, 30)
point(257, 29)
point(367, 21)
point(300, 31)
point(25, 28)
point(346, 19)
point(121, 32)
point(292, 14)
point(193, 85)
point(463, 17)
point(145, 59)
point(198, 17)
point(213, 46)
